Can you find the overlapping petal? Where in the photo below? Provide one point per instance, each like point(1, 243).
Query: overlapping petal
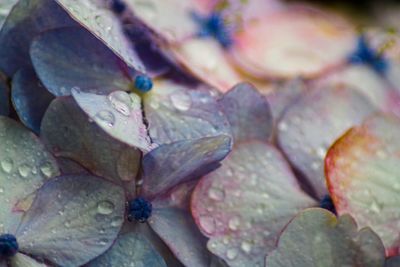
point(361, 169)
point(311, 124)
point(317, 238)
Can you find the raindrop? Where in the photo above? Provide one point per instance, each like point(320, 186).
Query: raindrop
point(231, 253)
point(47, 169)
point(234, 223)
point(216, 194)
point(121, 102)
point(105, 207)
point(282, 126)
point(24, 170)
point(208, 224)
point(105, 117)
point(7, 165)
point(246, 247)
point(181, 100)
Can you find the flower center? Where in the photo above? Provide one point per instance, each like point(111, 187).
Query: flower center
point(139, 210)
point(327, 203)
point(8, 246)
point(143, 83)
point(364, 54)
point(214, 26)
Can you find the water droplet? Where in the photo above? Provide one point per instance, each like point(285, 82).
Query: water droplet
point(208, 224)
point(282, 126)
point(1, 190)
point(321, 152)
point(24, 170)
point(231, 253)
point(7, 165)
point(246, 247)
point(216, 194)
point(47, 169)
point(234, 223)
point(105, 207)
point(105, 117)
point(121, 102)
point(181, 100)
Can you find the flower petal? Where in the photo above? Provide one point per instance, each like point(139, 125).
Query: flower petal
point(130, 249)
point(4, 98)
point(24, 166)
point(314, 122)
point(172, 221)
point(119, 114)
point(316, 238)
point(244, 205)
point(82, 62)
point(22, 260)
point(175, 113)
point(26, 20)
point(68, 132)
point(248, 113)
point(363, 177)
point(30, 98)
point(72, 220)
point(172, 164)
point(106, 26)
point(294, 42)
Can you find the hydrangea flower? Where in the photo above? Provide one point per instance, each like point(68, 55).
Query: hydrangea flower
point(67, 220)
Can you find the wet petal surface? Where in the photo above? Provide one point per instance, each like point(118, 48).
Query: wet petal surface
point(243, 206)
point(175, 112)
point(22, 260)
point(68, 133)
point(72, 220)
point(82, 62)
point(24, 166)
point(314, 122)
point(317, 238)
point(363, 177)
point(172, 164)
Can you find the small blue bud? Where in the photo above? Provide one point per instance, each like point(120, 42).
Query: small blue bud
point(139, 209)
point(143, 83)
point(118, 6)
point(364, 54)
point(327, 203)
point(8, 246)
point(214, 26)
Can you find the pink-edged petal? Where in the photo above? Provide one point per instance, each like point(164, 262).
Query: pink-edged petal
point(248, 113)
point(244, 205)
point(22, 260)
point(316, 238)
point(24, 166)
point(30, 99)
point(172, 164)
point(27, 19)
point(72, 220)
point(68, 132)
point(172, 221)
point(119, 114)
point(175, 112)
point(83, 62)
point(314, 122)
point(293, 42)
point(105, 25)
point(206, 59)
point(363, 177)
point(130, 249)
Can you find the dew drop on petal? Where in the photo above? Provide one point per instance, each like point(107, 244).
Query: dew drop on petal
point(181, 100)
point(105, 207)
point(216, 194)
point(232, 253)
point(7, 165)
point(234, 223)
point(105, 117)
point(24, 170)
point(208, 224)
point(246, 247)
point(121, 102)
point(47, 169)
